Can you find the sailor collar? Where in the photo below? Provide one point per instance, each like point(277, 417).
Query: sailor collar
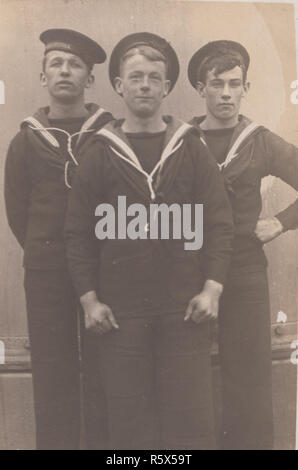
point(242, 131)
point(39, 124)
point(119, 145)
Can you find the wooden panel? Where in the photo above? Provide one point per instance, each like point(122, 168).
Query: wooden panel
point(16, 353)
point(282, 255)
point(16, 411)
point(284, 404)
point(284, 377)
point(17, 349)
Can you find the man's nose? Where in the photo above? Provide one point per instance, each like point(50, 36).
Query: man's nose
point(226, 92)
point(145, 83)
point(64, 70)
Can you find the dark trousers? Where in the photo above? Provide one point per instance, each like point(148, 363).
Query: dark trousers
point(245, 355)
point(156, 378)
point(52, 325)
point(94, 399)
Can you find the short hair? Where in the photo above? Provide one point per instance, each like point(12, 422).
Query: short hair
point(221, 63)
point(44, 61)
point(149, 52)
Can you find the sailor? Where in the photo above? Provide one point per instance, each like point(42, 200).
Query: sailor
point(40, 164)
point(246, 152)
point(148, 298)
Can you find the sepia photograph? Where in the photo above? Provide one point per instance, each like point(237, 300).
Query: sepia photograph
point(149, 216)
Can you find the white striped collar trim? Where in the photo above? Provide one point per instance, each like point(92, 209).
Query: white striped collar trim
point(241, 137)
point(168, 150)
point(38, 126)
point(91, 120)
point(133, 159)
point(170, 147)
point(123, 145)
point(50, 138)
point(128, 160)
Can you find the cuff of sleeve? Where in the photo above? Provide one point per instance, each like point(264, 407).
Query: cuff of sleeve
point(216, 272)
point(289, 217)
point(84, 285)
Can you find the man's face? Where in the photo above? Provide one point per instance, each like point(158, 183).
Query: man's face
point(223, 93)
point(143, 85)
point(66, 76)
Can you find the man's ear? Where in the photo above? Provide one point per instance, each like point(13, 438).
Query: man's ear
point(43, 79)
point(167, 87)
point(90, 80)
point(118, 85)
point(200, 87)
point(246, 88)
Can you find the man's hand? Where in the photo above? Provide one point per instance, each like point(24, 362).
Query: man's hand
point(268, 229)
point(204, 306)
point(98, 316)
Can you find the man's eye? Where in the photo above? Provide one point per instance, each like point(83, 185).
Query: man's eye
point(55, 64)
point(235, 84)
point(216, 84)
point(76, 65)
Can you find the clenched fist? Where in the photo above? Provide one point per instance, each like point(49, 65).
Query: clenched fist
point(98, 316)
point(204, 306)
point(268, 229)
